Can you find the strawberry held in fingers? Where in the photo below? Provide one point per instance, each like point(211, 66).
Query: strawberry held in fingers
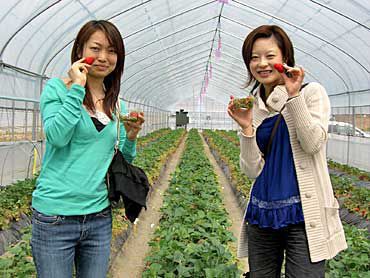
point(89, 60)
point(279, 67)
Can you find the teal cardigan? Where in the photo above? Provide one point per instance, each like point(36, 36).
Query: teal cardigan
point(77, 156)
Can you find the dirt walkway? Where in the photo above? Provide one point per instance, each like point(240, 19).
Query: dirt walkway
point(129, 263)
point(230, 202)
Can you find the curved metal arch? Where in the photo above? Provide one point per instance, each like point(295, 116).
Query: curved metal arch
point(178, 31)
point(9, 10)
point(200, 82)
point(182, 65)
point(162, 38)
point(180, 85)
point(212, 40)
point(167, 81)
point(63, 33)
point(165, 92)
point(147, 85)
point(169, 47)
point(339, 13)
point(221, 61)
point(168, 18)
point(171, 34)
point(68, 43)
point(192, 73)
point(169, 57)
point(219, 84)
point(24, 25)
point(225, 76)
point(305, 31)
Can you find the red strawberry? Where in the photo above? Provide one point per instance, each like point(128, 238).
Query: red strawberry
point(89, 60)
point(231, 97)
point(279, 67)
point(134, 114)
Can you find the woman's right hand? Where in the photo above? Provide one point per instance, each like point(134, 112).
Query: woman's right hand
point(243, 117)
point(78, 72)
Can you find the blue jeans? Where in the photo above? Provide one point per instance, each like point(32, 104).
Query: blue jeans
point(58, 242)
point(266, 248)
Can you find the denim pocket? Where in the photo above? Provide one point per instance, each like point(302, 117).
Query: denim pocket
point(40, 218)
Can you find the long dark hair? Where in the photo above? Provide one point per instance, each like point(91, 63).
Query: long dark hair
point(112, 82)
point(266, 31)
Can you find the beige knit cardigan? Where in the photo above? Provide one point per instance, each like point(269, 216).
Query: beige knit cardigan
point(307, 119)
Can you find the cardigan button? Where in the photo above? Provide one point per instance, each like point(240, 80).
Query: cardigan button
point(303, 165)
point(308, 195)
point(275, 99)
point(312, 224)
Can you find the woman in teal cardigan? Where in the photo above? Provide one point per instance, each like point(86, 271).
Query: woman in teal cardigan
point(71, 221)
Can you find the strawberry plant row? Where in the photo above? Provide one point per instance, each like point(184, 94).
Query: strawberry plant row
point(353, 262)
point(359, 174)
point(17, 261)
point(151, 137)
point(192, 237)
point(228, 154)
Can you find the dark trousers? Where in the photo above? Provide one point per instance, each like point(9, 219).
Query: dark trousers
point(266, 248)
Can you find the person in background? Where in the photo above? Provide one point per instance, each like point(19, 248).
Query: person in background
point(71, 221)
point(292, 208)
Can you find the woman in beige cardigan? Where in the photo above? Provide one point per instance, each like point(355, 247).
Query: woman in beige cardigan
point(292, 207)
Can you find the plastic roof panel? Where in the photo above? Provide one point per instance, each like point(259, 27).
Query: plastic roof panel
point(170, 44)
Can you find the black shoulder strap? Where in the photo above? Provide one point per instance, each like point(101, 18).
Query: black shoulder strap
point(268, 148)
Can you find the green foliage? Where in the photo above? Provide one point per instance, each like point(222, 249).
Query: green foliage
point(355, 198)
point(192, 238)
point(17, 262)
point(360, 174)
point(15, 199)
point(354, 262)
point(229, 154)
point(351, 263)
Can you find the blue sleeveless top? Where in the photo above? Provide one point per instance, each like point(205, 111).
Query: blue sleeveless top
point(275, 201)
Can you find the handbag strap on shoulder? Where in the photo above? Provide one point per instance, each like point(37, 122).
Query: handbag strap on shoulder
point(274, 129)
point(118, 109)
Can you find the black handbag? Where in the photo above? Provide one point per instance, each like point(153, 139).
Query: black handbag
point(127, 181)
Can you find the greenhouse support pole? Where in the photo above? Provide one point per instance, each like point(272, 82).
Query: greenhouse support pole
point(25, 119)
point(353, 121)
point(13, 120)
point(34, 119)
point(348, 137)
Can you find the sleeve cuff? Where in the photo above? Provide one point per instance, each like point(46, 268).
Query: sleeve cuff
point(130, 144)
point(242, 135)
point(77, 91)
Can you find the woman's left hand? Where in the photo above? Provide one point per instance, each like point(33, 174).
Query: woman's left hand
point(294, 82)
point(133, 128)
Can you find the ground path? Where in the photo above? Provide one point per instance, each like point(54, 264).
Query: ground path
point(129, 263)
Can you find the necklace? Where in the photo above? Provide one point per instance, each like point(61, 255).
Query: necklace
point(99, 99)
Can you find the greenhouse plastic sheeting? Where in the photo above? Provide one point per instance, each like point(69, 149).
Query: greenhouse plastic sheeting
point(171, 45)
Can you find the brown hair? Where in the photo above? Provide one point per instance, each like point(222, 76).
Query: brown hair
point(112, 82)
point(267, 31)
